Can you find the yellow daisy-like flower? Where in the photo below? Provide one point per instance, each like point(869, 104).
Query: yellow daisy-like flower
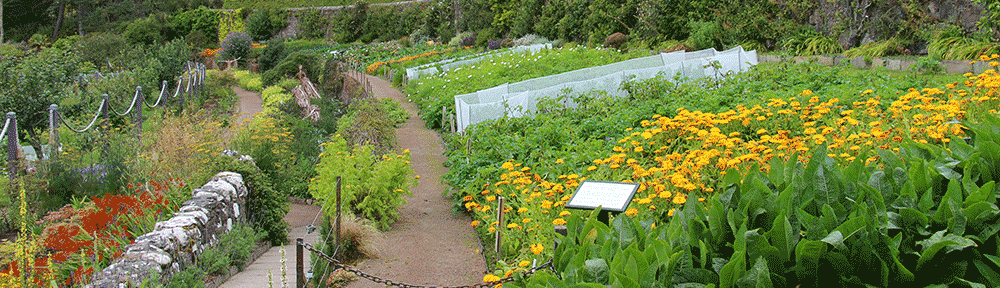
point(490, 278)
point(591, 168)
point(526, 220)
point(559, 161)
point(508, 166)
point(680, 200)
point(564, 213)
point(631, 211)
point(512, 225)
point(559, 221)
point(537, 248)
point(474, 223)
point(671, 212)
point(524, 263)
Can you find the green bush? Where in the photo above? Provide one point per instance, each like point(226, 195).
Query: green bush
point(312, 24)
point(98, 48)
point(214, 261)
point(272, 54)
point(236, 46)
point(288, 67)
point(367, 122)
point(149, 30)
point(197, 23)
point(266, 207)
point(264, 23)
point(704, 35)
point(373, 185)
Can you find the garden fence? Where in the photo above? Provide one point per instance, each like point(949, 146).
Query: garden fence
point(521, 98)
point(189, 83)
point(446, 65)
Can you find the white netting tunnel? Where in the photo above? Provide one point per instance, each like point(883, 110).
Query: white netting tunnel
point(435, 68)
point(516, 99)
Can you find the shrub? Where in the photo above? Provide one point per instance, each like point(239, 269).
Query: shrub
point(358, 241)
point(373, 184)
point(457, 40)
point(312, 24)
point(615, 40)
point(272, 54)
point(236, 46)
point(264, 23)
point(811, 45)
point(199, 22)
point(149, 30)
point(265, 206)
point(368, 123)
point(704, 35)
point(288, 67)
point(98, 48)
point(888, 47)
point(495, 44)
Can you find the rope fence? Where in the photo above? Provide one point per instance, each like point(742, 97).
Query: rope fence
point(191, 81)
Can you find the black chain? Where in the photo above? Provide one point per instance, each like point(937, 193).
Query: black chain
point(337, 265)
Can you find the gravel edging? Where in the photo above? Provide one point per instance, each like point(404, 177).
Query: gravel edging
point(214, 281)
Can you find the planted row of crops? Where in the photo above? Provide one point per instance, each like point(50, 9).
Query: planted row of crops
point(857, 157)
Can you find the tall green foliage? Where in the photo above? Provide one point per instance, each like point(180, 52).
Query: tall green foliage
point(34, 82)
point(372, 185)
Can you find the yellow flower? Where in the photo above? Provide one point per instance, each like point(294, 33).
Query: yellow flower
point(526, 220)
point(591, 168)
point(508, 166)
point(564, 213)
point(522, 210)
point(474, 223)
point(806, 92)
point(490, 278)
point(537, 248)
point(512, 225)
point(671, 213)
point(559, 161)
point(631, 211)
point(559, 221)
point(680, 199)
point(524, 263)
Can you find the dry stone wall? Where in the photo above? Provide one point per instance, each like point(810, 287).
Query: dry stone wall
point(175, 243)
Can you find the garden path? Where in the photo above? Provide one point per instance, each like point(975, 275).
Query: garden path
point(429, 244)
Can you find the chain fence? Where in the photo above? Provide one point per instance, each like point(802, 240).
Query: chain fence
point(390, 283)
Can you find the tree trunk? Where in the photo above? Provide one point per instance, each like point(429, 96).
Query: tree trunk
point(1, 21)
point(59, 18)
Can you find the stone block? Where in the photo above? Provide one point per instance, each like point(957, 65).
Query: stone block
point(892, 64)
point(859, 62)
point(841, 60)
point(956, 66)
point(879, 62)
point(825, 60)
point(904, 65)
point(768, 58)
point(800, 59)
point(980, 66)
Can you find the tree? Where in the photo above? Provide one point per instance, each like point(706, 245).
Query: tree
point(36, 81)
point(1, 21)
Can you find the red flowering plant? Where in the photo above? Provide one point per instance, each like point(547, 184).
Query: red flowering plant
point(84, 237)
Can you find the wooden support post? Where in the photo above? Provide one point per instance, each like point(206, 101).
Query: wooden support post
point(13, 147)
point(451, 119)
point(337, 231)
point(300, 270)
point(500, 226)
point(105, 106)
point(53, 131)
point(444, 115)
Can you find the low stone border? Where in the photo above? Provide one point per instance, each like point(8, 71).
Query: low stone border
point(175, 243)
point(949, 66)
point(218, 280)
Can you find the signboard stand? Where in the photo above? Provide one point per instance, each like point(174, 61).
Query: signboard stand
point(609, 197)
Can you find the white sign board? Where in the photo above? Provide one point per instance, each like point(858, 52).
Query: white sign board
point(610, 196)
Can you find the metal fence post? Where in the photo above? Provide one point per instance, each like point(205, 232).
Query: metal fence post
point(12, 146)
point(53, 131)
point(300, 273)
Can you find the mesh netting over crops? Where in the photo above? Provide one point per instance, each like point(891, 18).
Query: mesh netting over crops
point(446, 65)
point(517, 99)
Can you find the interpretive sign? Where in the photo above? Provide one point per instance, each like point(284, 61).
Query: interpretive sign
point(610, 196)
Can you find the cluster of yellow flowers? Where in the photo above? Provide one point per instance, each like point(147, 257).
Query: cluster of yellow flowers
point(674, 158)
point(374, 66)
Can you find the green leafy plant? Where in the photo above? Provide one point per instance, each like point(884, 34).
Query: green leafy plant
point(373, 185)
point(888, 47)
point(814, 45)
point(960, 48)
point(264, 23)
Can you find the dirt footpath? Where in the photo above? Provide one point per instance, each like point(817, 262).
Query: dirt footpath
point(429, 245)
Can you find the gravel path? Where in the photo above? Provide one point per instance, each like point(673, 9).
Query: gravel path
point(429, 245)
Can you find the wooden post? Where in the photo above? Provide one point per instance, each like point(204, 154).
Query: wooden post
point(451, 119)
point(12, 146)
point(500, 226)
point(105, 106)
point(561, 230)
point(444, 113)
point(138, 116)
point(53, 131)
point(300, 271)
point(337, 231)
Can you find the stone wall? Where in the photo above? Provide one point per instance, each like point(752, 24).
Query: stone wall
point(175, 243)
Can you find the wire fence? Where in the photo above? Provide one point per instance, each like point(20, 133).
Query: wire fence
point(520, 99)
point(189, 86)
